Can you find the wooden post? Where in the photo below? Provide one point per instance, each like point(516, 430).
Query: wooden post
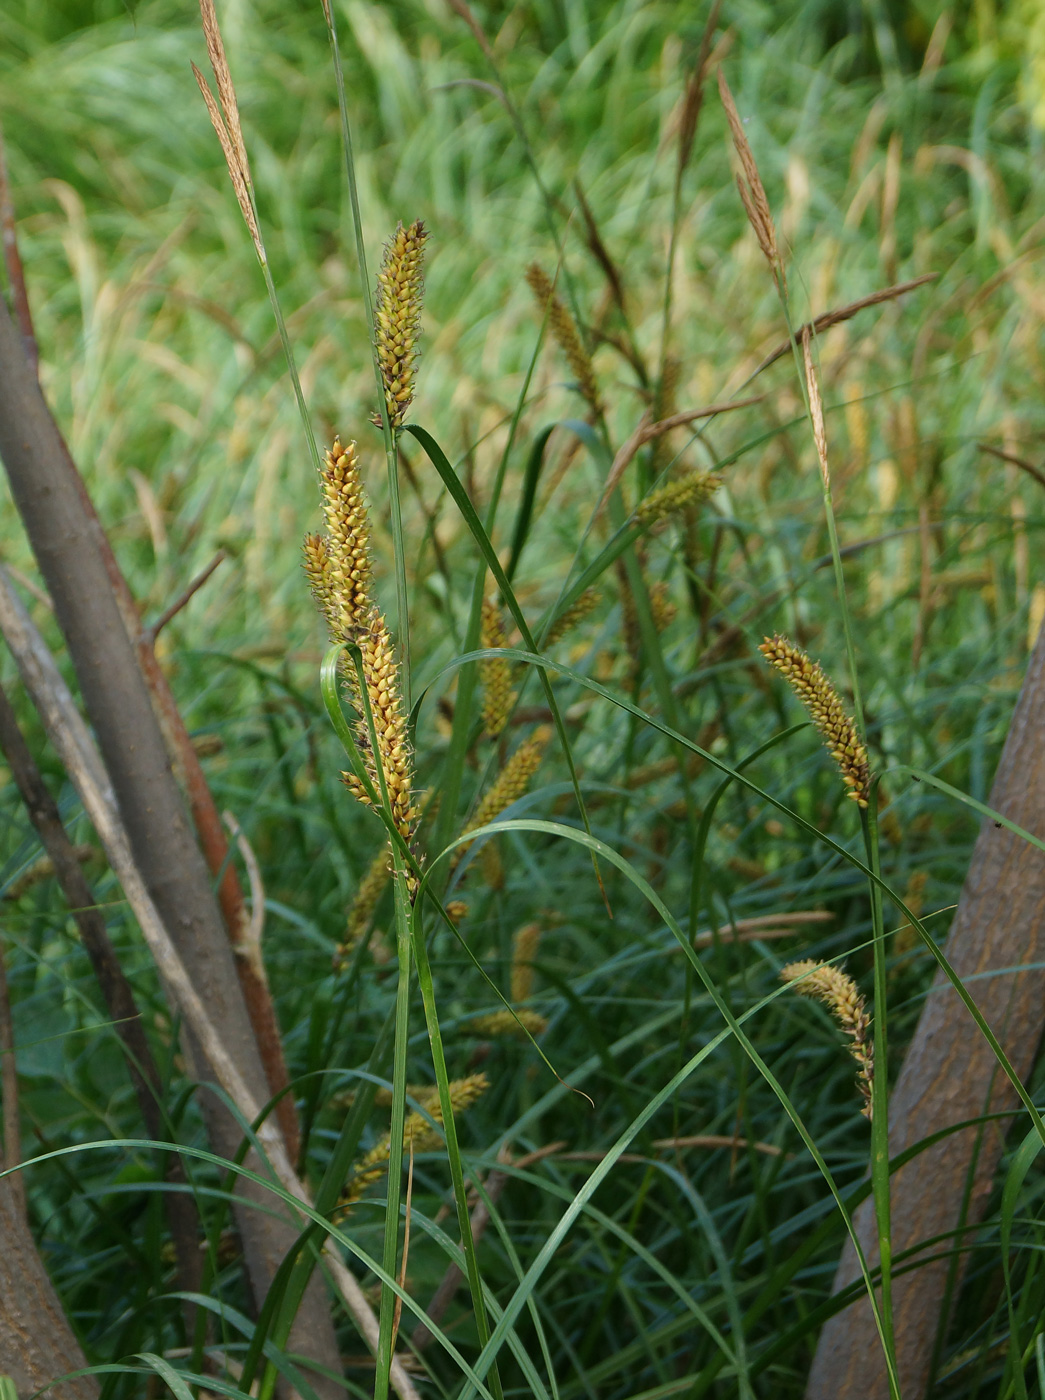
point(949, 1074)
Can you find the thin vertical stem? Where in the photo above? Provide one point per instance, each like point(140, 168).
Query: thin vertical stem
point(402, 619)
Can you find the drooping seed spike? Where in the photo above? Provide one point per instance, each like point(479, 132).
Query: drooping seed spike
point(817, 693)
point(565, 331)
point(839, 993)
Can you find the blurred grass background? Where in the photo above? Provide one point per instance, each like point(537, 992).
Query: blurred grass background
point(894, 140)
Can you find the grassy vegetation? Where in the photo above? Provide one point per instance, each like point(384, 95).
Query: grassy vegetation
point(889, 148)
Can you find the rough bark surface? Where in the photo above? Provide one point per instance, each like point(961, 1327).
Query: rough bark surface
point(66, 542)
point(949, 1073)
point(36, 1341)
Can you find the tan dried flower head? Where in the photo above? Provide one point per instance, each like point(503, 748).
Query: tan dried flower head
point(838, 992)
point(565, 331)
point(677, 495)
point(509, 1025)
point(494, 673)
point(807, 679)
point(456, 910)
point(400, 293)
point(578, 610)
point(749, 184)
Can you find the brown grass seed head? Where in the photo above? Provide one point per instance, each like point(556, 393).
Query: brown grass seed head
point(565, 331)
point(749, 184)
point(809, 682)
point(400, 293)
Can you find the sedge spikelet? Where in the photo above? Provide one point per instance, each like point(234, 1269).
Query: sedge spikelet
point(809, 682)
point(348, 540)
point(456, 910)
point(509, 1025)
point(508, 787)
point(662, 610)
point(905, 939)
point(418, 1133)
point(524, 949)
point(495, 673)
point(578, 610)
point(361, 910)
point(565, 331)
point(400, 291)
point(339, 572)
point(381, 679)
point(749, 184)
point(838, 992)
point(491, 865)
point(676, 496)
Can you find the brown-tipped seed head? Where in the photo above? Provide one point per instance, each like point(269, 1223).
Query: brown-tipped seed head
point(809, 682)
point(577, 611)
point(566, 333)
point(749, 183)
point(524, 949)
point(509, 1025)
point(838, 992)
point(676, 495)
point(400, 292)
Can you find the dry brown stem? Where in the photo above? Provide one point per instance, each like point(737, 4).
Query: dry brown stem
point(827, 319)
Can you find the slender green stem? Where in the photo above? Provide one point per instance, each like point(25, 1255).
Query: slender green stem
point(453, 1150)
point(390, 1253)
